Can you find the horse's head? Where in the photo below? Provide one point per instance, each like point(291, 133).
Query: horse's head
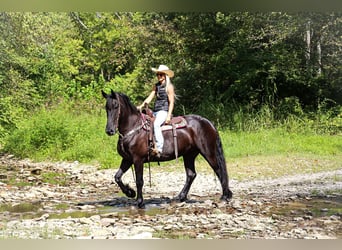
point(113, 112)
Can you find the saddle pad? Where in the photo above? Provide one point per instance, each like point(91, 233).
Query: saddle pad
point(178, 122)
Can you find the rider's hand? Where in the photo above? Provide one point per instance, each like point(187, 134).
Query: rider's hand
point(141, 106)
point(168, 120)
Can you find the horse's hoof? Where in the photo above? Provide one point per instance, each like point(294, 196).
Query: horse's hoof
point(226, 198)
point(230, 195)
point(180, 198)
point(141, 204)
point(131, 193)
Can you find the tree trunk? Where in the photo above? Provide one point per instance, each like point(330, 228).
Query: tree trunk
point(307, 39)
point(319, 57)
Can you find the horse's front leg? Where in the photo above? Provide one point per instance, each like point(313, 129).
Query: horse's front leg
point(139, 170)
point(126, 189)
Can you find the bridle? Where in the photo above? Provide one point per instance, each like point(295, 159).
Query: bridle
point(143, 124)
point(116, 123)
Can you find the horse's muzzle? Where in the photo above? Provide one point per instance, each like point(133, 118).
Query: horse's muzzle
point(110, 132)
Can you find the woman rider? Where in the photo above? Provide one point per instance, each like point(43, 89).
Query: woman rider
point(163, 106)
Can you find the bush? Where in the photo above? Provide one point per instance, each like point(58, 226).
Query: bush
point(63, 134)
point(9, 116)
point(44, 132)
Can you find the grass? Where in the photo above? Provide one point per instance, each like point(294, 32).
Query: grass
point(279, 141)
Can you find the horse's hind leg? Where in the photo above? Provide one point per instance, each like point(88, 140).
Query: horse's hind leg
point(189, 164)
point(217, 162)
point(126, 189)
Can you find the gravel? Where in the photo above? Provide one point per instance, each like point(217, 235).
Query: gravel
point(86, 204)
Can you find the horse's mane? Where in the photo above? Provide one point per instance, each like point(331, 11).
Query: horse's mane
point(128, 102)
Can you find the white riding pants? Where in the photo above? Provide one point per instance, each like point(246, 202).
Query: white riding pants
point(160, 119)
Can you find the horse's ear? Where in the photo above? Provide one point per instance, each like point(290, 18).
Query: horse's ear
point(112, 93)
point(104, 94)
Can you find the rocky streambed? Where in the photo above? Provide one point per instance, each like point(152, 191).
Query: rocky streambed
point(70, 200)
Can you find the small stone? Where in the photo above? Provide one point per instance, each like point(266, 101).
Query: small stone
point(106, 222)
point(84, 220)
point(307, 217)
point(42, 218)
point(36, 171)
point(143, 235)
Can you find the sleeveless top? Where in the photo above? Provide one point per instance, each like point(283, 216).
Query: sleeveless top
point(162, 100)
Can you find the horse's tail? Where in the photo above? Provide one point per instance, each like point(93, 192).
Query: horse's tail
point(221, 162)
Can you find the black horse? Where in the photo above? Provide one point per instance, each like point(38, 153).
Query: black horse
point(198, 137)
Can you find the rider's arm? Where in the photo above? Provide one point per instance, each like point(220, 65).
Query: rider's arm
point(149, 98)
point(171, 96)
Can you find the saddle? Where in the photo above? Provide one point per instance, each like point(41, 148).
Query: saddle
point(175, 123)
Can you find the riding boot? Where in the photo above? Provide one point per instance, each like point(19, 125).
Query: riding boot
point(155, 152)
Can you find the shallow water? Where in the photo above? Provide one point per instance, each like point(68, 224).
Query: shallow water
point(314, 207)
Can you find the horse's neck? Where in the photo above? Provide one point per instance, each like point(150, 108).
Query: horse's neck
point(128, 122)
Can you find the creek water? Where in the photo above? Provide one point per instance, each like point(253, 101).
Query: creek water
point(313, 207)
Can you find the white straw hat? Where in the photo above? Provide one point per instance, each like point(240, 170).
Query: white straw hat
point(164, 69)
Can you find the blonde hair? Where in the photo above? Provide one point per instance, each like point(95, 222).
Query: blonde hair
point(168, 81)
point(167, 84)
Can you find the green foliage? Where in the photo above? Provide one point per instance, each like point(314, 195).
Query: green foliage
point(45, 132)
point(251, 59)
point(247, 72)
point(136, 88)
point(62, 134)
point(8, 117)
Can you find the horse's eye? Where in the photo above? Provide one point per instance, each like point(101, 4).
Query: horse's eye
point(116, 105)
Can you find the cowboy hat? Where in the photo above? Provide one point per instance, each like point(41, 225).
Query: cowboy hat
point(164, 69)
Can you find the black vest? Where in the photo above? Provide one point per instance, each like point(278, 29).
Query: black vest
point(162, 100)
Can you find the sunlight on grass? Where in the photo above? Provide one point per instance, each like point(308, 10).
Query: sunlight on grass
point(260, 167)
point(257, 167)
point(278, 141)
point(271, 154)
